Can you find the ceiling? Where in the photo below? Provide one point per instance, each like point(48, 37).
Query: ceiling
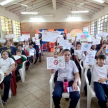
point(17, 6)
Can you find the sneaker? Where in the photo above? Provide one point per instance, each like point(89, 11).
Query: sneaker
point(4, 102)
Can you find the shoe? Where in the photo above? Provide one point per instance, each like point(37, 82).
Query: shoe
point(39, 60)
point(27, 67)
point(4, 102)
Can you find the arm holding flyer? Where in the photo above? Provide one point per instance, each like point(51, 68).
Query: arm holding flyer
point(98, 53)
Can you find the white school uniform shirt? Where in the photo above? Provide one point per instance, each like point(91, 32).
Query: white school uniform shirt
point(99, 72)
point(79, 54)
point(5, 64)
point(31, 51)
point(68, 71)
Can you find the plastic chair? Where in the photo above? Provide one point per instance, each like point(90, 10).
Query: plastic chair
point(90, 90)
point(22, 70)
point(2, 77)
point(64, 95)
point(13, 81)
point(82, 75)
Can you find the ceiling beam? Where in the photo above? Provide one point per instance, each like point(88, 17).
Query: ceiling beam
point(76, 7)
point(35, 8)
point(54, 4)
point(30, 6)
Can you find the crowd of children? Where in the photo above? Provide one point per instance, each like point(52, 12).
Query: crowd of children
point(12, 53)
point(72, 71)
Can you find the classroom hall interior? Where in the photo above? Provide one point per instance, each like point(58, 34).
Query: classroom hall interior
point(41, 39)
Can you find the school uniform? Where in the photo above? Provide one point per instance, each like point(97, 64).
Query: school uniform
point(32, 52)
point(5, 65)
point(23, 53)
point(67, 72)
point(80, 55)
point(101, 90)
point(11, 49)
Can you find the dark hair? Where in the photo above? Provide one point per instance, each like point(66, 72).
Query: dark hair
point(101, 57)
point(18, 51)
point(15, 43)
point(65, 50)
point(20, 45)
point(4, 51)
point(30, 43)
point(78, 43)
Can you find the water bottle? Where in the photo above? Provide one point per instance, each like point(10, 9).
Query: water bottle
point(65, 84)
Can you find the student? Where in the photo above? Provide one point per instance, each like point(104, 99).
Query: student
point(100, 77)
point(11, 49)
point(71, 72)
point(19, 62)
point(6, 65)
point(32, 52)
point(22, 51)
point(26, 45)
point(64, 36)
point(78, 53)
point(41, 42)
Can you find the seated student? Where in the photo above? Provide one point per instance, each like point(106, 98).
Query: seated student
point(20, 48)
point(32, 52)
point(64, 36)
point(71, 73)
point(19, 58)
point(21, 43)
point(26, 45)
point(11, 49)
point(100, 77)
point(6, 65)
point(78, 53)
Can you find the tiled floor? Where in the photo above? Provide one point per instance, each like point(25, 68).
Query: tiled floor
point(34, 92)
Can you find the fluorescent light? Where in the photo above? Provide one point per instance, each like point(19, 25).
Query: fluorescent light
point(73, 19)
point(24, 5)
point(100, 1)
point(5, 2)
point(86, 11)
point(36, 19)
point(29, 13)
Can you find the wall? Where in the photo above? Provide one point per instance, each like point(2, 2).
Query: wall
point(100, 14)
point(8, 14)
point(31, 27)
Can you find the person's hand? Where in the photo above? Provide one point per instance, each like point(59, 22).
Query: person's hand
point(75, 88)
point(55, 56)
point(104, 45)
point(102, 80)
point(6, 74)
point(52, 71)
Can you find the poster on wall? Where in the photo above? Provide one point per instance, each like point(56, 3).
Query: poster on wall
point(26, 35)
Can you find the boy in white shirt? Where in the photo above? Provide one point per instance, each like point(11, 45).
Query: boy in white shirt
point(6, 65)
point(78, 53)
point(32, 52)
point(100, 77)
point(71, 73)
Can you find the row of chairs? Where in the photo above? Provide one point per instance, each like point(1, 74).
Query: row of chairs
point(84, 80)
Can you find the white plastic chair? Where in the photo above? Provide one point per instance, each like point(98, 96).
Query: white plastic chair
point(64, 95)
point(2, 77)
point(82, 75)
point(22, 70)
point(90, 90)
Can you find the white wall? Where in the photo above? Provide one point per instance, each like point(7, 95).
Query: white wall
point(8, 14)
point(59, 15)
point(100, 14)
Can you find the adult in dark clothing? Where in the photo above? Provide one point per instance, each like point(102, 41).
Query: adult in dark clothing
point(11, 49)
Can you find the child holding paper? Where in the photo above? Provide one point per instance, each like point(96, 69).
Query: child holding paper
point(19, 58)
point(71, 73)
point(32, 52)
point(64, 36)
point(100, 77)
point(6, 65)
point(78, 53)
